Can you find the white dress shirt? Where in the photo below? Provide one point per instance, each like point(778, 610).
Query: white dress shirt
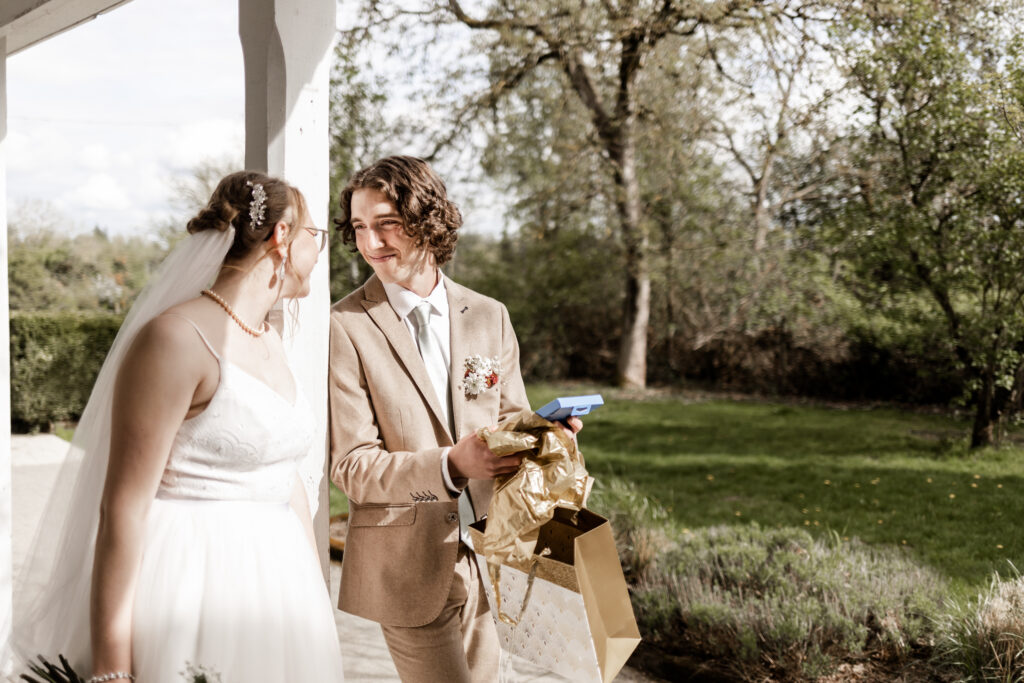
point(404, 301)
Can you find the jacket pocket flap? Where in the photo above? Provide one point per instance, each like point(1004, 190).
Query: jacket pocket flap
point(382, 515)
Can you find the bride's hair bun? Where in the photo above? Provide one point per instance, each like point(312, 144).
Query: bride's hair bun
point(253, 203)
point(214, 216)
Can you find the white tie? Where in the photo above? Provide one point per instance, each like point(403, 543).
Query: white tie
point(437, 370)
point(430, 351)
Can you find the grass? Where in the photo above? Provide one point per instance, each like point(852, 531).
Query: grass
point(984, 637)
point(339, 503)
point(882, 476)
point(64, 431)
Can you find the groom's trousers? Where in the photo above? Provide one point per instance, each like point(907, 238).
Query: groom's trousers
point(461, 645)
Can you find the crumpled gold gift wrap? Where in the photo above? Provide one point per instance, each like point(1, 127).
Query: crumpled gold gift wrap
point(552, 474)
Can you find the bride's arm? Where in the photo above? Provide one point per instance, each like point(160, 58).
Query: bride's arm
point(155, 386)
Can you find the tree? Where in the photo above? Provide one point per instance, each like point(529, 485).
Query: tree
point(541, 150)
point(600, 53)
point(774, 115)
point(48, 269)
point(357, 135)
point(935, 205)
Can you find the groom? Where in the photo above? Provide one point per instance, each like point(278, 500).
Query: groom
point(406, 401)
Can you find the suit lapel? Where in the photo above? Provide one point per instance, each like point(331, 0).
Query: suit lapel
point(375, 302)
point(460, 315)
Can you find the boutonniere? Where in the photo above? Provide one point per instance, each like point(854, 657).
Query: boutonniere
point(481, 374)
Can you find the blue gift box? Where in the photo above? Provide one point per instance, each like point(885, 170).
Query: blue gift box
point(562, 409)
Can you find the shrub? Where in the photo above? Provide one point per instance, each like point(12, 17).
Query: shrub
point(55, 358)
point(769, 603)
point(984, 637)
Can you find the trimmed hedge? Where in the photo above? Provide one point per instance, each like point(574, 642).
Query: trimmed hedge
point(55, 358)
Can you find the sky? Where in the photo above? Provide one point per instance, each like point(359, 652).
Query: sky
point(101, 117)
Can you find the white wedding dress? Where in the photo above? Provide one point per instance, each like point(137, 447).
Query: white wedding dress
point(228, 579)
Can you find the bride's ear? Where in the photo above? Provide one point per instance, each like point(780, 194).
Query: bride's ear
point(279, 238)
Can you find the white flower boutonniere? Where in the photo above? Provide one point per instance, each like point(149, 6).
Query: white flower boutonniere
point(481, 374)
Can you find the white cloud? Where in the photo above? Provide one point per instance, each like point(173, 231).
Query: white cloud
point(102, 116)
point(99, 191)
point(216, 138)
point(95, 156)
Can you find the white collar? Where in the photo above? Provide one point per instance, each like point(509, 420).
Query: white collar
point(404, 300)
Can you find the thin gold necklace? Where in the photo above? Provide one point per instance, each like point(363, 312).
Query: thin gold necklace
point(234, 316)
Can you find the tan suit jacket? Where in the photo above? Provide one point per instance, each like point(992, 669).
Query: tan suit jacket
point(387, 438)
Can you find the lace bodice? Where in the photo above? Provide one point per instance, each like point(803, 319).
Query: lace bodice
point(245, 445)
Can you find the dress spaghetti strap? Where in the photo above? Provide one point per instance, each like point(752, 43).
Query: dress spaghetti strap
point(202, 336)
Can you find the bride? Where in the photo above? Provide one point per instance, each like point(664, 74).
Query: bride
point(187, 503)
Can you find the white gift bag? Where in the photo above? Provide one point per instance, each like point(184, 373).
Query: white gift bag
point(570, 613)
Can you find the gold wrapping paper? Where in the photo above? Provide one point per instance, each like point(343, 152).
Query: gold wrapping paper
point(552, 474)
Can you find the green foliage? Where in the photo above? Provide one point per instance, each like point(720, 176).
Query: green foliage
point(46, 672)
point(338, 500)
point(357, 134)
point(934, 209)
point(55, 357)
point(799, 167)
point(544, 153)
point(49, 270)
point(566, 321)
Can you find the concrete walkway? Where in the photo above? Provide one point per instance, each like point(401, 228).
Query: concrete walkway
point(36, 460)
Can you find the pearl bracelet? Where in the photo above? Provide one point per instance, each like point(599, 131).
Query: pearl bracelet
point(112, 676)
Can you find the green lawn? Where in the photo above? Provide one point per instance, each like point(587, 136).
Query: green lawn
point(339, 503)
point(884, 476)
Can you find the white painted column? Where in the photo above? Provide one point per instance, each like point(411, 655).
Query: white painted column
point(6, 594)
point(287, 49)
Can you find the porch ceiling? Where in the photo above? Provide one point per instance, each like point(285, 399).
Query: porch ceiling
point(27, 22)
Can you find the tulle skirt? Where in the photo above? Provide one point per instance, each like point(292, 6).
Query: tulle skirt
point(233, 587)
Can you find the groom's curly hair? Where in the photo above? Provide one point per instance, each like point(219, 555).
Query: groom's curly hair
point(431, 219)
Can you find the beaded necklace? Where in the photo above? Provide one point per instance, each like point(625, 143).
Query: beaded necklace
point(234, 316)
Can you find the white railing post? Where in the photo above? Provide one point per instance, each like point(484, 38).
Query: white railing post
point(287, 49)
point(6, 594)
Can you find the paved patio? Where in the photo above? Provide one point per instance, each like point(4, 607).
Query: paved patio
point(35, 462)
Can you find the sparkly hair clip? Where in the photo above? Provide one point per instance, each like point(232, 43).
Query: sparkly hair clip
point(258, 205)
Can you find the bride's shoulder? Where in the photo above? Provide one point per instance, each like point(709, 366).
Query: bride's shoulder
point(171, 335)
point(167, 356)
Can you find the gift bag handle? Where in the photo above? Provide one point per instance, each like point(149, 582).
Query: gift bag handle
point(505, 618)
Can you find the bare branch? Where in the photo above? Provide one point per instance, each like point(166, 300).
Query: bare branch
point(738, 155)
point(584, 87)
point(464, 117)
point(506, 24)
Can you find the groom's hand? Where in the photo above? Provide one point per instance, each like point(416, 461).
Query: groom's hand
point(572, 427)
point(470, 458)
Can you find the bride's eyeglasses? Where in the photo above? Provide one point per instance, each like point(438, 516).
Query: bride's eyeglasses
point(320, 235)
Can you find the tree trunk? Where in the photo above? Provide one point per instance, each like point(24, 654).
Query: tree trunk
point(984, 422)
point(668, 249)
point(762, 217)
point(632, 363)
